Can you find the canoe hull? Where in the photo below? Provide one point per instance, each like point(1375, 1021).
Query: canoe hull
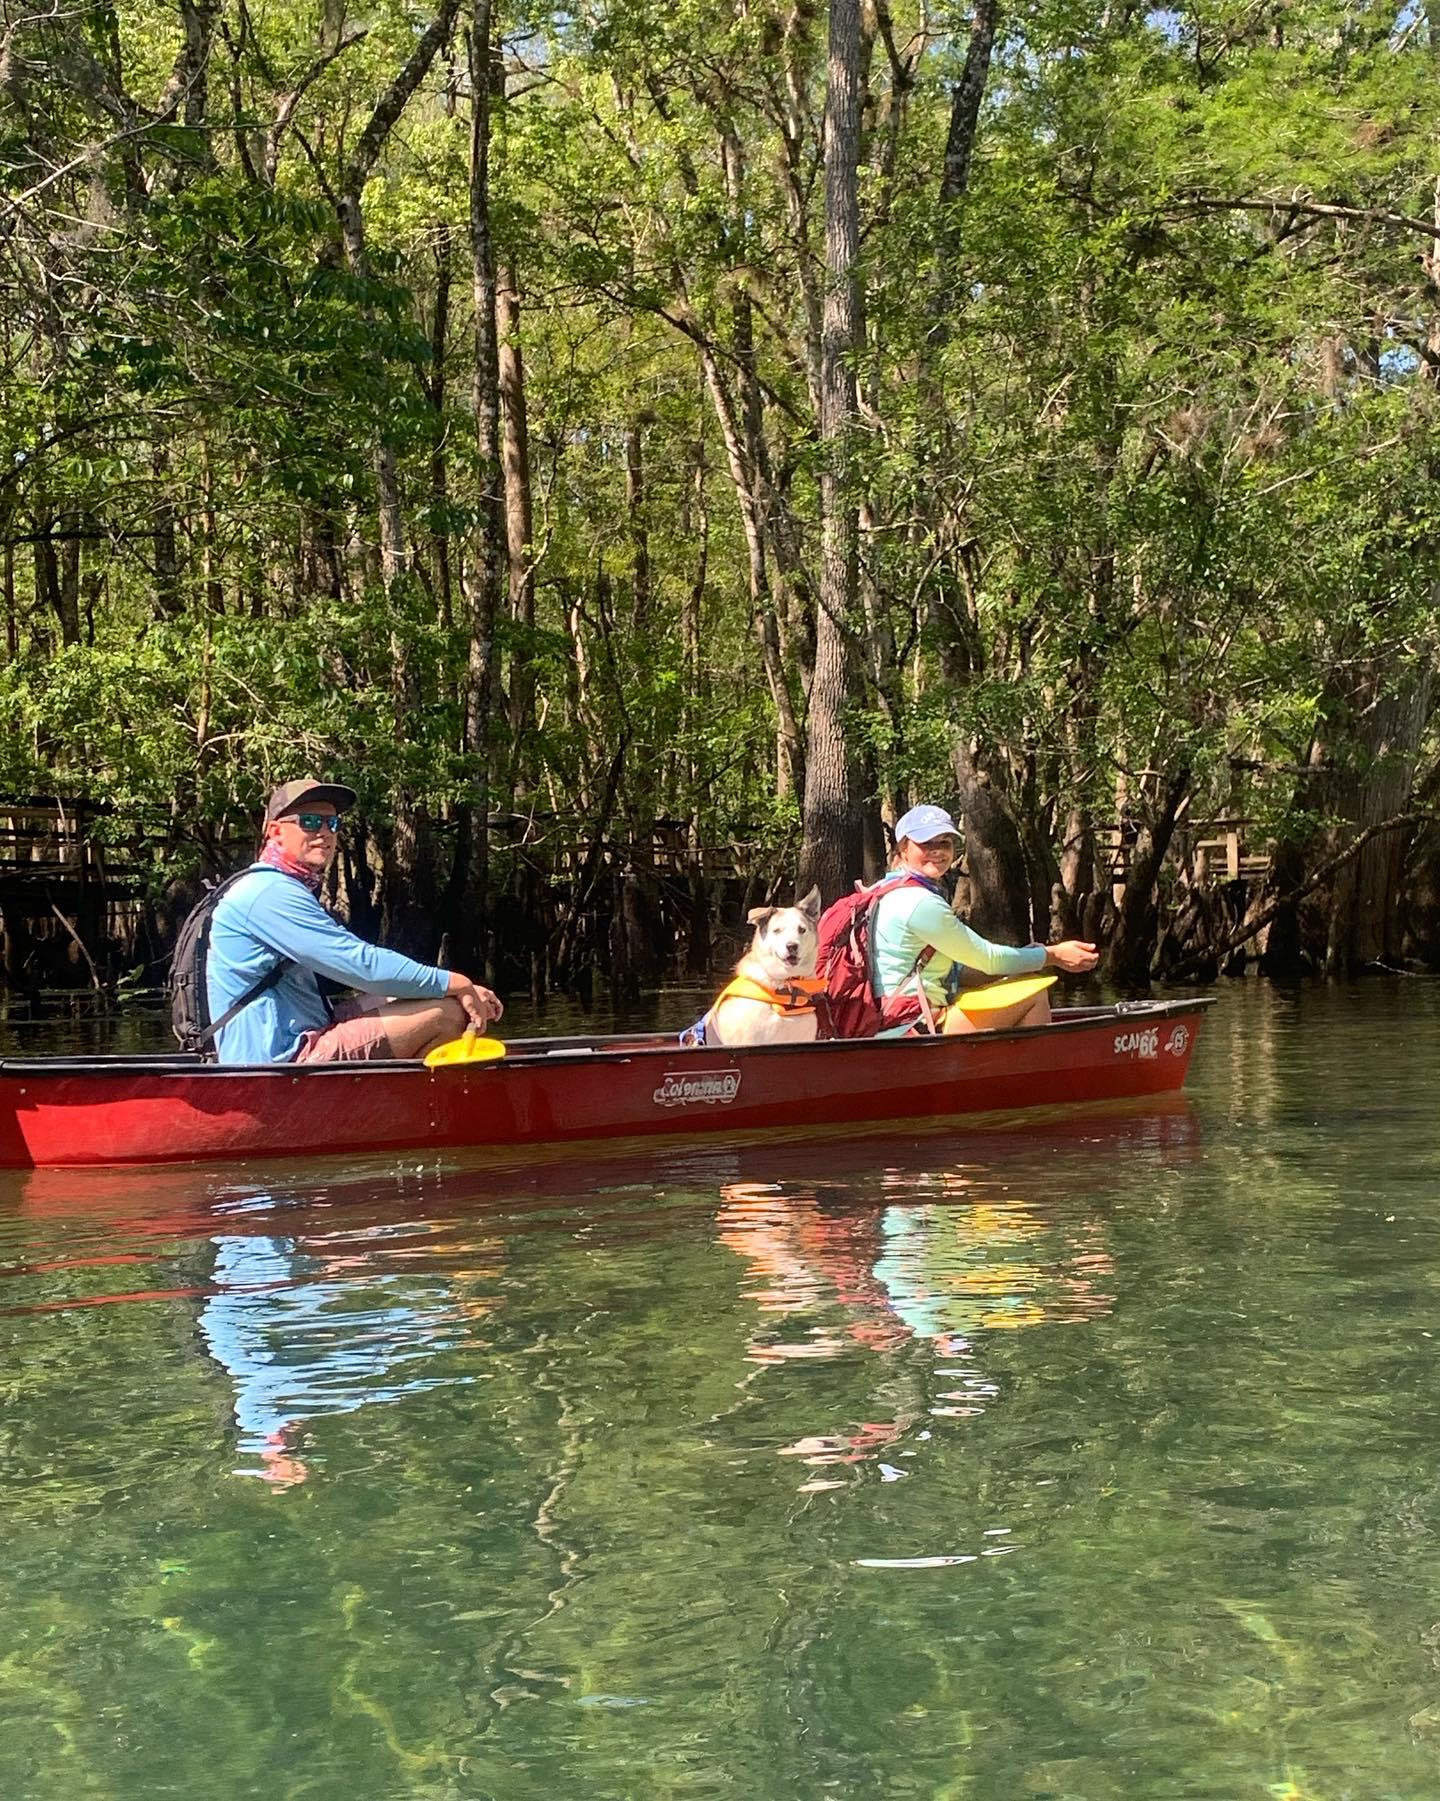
point(72, 1112)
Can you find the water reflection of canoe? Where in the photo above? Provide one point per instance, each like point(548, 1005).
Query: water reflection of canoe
point(165, 1109)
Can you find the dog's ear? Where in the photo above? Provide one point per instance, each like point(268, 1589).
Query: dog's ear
point(758, 916)
point(810, 906)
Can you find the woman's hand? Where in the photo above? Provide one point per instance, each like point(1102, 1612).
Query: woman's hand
point(481, 1006)
point(1072, 955)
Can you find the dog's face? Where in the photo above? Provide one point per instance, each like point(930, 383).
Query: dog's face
point(786, 938)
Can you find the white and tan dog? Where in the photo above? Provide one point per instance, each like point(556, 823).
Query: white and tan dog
point(772, 998)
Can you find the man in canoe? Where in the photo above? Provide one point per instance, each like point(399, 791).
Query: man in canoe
point(913, 916)
point(270, 919)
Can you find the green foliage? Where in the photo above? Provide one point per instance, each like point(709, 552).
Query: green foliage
point(1148, 474)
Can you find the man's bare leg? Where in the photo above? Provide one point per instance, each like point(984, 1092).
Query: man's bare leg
point(415, 1028)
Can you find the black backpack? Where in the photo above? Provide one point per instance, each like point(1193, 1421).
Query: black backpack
point(189, 996)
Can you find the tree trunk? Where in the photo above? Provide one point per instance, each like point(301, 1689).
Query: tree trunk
point(487, 560)
point(636, 503)
point(696, 527)
point(1356, 918)
point(1366, 921)
point(210, 529)
point(998, 876)
point(830, 855)
point(361, 164)
point(999, 882)
point(1422, 898)
point(408, 861)
point(51, 594)
point(994, 856)
point(790, 762)
point(785, 630)
point(965, 99)
point(390, 516)
point(7, 583)
point(168, 595)
point(70, 525)
point(1132, 948)
point(1077, 854)
point(435, 389)
point(519, 516)
point(409, 864)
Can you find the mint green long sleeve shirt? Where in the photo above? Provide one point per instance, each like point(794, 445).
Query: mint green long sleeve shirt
point(908, 919)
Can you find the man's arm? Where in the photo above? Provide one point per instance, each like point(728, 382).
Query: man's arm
point(284, 915)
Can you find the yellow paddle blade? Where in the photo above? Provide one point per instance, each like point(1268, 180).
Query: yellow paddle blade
point(1001, 994)
point(469, 1048)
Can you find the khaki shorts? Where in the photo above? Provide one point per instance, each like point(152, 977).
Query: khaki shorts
point(354, 1035)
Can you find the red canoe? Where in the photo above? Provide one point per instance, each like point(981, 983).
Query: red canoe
point(61, 1111)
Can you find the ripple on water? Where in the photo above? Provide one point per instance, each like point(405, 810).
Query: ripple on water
point(1079, 1455)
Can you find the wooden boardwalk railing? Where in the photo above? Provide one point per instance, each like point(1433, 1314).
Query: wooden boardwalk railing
point(48, 839)
point(1211, 848)
point(57, 840)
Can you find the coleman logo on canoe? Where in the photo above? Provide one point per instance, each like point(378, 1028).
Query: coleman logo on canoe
point(1178, 1040)
point(1138, 1044)
point(686, 1088)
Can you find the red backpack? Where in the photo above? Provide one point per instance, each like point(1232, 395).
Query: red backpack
point(855, 1008)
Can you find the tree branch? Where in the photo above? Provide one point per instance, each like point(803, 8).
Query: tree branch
point(289, 102)
point(395, 98)
point(1308, 209)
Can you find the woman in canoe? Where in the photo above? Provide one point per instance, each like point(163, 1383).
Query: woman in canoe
point(913, 916)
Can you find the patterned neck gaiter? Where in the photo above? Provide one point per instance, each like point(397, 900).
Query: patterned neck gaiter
point(275, 858)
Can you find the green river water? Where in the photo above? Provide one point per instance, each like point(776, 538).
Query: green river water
point(1089, 1455)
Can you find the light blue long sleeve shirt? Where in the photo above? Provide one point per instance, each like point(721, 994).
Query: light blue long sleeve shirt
point(909, 918)
point(270, 915)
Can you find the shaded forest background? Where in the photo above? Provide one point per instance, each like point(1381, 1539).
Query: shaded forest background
point(751, 418)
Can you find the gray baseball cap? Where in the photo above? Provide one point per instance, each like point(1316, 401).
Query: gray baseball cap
point(923, 823)
point(309, 790)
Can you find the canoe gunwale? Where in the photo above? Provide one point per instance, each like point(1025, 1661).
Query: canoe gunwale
point(543, 1053)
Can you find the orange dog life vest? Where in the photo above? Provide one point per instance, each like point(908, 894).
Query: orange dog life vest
point(788, 999)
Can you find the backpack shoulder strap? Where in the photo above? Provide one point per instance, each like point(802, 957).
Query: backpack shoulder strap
point(890, 885)
point(881, 889)
point(206, 1034)
point(263, 986)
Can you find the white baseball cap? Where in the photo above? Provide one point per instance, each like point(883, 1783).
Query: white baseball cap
point(921, 824)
